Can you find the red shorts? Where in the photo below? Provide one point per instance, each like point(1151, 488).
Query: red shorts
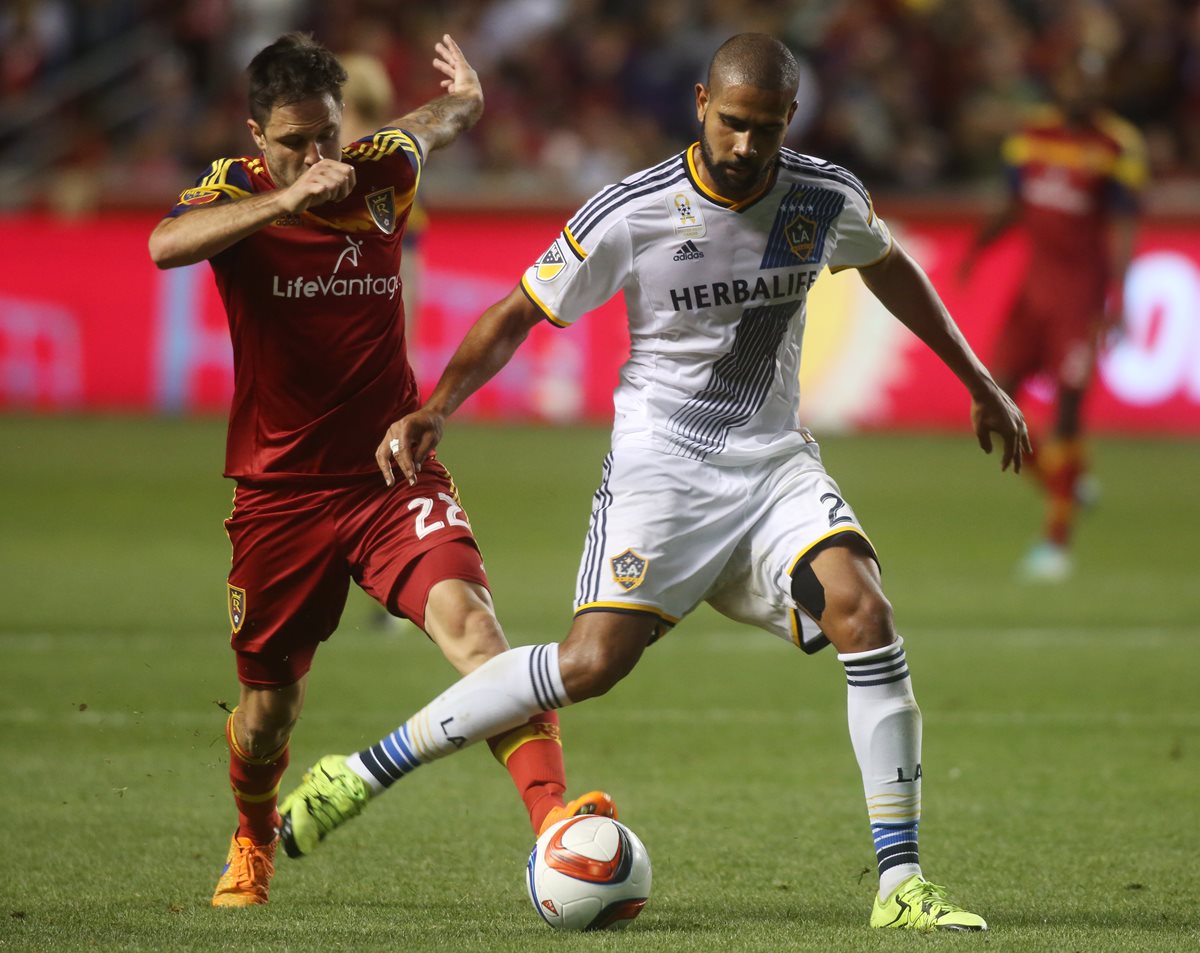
point(296, 549)
point(1056, 337)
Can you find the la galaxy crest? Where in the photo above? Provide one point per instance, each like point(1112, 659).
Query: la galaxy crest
point(237, 607)
point(801, 235)
point(382, 207)
point(629, 569)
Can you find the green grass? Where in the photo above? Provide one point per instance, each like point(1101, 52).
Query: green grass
point(1062, 751)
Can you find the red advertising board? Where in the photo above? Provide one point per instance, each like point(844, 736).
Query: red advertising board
point(87, 322)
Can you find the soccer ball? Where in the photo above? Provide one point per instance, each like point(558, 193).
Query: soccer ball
point(588, 873)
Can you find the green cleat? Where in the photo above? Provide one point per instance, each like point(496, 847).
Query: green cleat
point(919, 905)
point(329, 795)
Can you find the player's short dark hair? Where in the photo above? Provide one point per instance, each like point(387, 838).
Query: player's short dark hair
point(754, 59)
point(293, 68)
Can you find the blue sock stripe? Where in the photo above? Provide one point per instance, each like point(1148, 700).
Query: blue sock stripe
point(404, 749)
point(895, 844)
point(400, 753)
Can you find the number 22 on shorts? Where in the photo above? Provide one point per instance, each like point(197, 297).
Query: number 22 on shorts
point(425, 526)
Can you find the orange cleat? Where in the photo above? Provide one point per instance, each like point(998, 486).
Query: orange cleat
point(594, 802)
point(246, 875)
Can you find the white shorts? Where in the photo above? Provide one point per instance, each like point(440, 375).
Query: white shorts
point(668, 533)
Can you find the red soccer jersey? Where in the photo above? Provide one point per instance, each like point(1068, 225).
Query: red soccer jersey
point(316, 318)
point(1069, 181)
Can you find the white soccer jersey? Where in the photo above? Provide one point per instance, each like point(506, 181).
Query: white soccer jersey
point(715, 293)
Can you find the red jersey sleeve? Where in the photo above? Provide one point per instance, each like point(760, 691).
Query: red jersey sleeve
point(224, 179)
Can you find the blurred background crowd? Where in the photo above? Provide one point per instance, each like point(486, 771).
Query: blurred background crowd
point(121, 103)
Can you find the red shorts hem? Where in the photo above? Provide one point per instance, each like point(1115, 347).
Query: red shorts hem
point(456, 559)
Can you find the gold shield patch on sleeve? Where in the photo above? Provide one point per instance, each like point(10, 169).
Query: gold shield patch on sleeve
point(237, 607)
point(382, 206)
point(629, 569)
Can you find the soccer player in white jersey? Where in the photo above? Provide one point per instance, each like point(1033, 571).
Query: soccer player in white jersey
point(713, 491)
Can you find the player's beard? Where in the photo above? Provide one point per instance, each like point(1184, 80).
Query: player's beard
point(719, 172)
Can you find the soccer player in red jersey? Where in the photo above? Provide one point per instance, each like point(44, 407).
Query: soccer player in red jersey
point(1076, 171)
point(304, 239)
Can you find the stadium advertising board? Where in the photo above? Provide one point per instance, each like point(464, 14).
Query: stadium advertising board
point(108, 331)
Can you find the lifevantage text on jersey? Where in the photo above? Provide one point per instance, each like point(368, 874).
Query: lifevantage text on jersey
point(715, 294)
point(301, 287)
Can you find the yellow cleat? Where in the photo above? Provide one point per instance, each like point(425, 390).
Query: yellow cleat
point(594, 802)
point(246, 875)
point(919, 905)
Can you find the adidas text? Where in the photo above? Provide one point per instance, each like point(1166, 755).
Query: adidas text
point(688, 251)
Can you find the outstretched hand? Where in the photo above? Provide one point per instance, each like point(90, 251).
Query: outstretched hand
point(462, 79)
point(407, 443)
point(994, 412)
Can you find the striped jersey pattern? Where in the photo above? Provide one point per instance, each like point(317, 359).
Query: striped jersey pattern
point(715, 294)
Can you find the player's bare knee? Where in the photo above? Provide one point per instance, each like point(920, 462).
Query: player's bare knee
point(858, 620)
point(600, 651)
point(478, 638)
point(262, 735)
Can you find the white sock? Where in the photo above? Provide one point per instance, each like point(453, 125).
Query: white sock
point(501, 694)
point(885, 730)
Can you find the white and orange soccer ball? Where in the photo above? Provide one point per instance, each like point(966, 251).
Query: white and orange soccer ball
point(588, 873)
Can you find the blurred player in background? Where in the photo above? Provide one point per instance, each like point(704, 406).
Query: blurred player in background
point(304, 240)
point(713, 490)
point(1076, 172)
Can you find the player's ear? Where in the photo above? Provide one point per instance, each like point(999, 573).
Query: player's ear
point(701, 101)
point(257, 134)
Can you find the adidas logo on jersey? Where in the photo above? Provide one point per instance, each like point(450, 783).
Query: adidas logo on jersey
point(688, 251)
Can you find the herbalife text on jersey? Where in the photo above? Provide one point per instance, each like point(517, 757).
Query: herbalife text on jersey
point(739, 291)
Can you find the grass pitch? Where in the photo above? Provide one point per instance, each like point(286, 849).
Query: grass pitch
point(1062, 742)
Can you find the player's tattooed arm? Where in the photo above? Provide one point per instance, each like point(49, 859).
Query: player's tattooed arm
point(442, 120)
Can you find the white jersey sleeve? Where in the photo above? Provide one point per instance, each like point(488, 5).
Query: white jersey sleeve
point(863, 237)
point(578, 274)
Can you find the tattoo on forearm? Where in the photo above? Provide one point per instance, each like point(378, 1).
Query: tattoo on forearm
point(445, 118)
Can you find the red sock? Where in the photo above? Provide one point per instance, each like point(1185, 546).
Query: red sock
point(255, 783)
point(1062, 464)
point(533, 756)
